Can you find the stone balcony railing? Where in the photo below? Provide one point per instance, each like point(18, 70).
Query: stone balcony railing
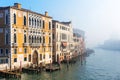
point(4, 55)
point(14, 44)
point(35, 44)
point(25, 44)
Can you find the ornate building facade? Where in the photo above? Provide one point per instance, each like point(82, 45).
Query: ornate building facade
point(25, 37)
point(62, 40)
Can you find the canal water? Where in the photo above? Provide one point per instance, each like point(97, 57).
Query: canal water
point(101, 65)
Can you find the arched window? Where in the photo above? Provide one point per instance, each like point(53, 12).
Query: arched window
point(15, 38)
point(43, 39)
point(32, 21)
point(6, 18)
point(35, 22)
point(25, 39)
point(32, 39)
point(43, 24)
point(14, 19)
point(35, 40)
point(24, 21)
point(29, 21)
point(40, 39)
point(40, 23)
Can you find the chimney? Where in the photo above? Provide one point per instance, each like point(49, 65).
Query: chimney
point(46, 13)
point(17, 5)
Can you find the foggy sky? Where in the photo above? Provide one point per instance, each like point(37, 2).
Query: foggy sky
point(100, 19)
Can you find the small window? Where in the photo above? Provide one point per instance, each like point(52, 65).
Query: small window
point(15, 51)
point(29, 21)
point(40, 23)
point(44, 56)
point(35, 22)
point(29, 58)
point(43, 24)
point(15, 59)
point(25, 58)
point(6, 60)
point(1, 51)
point(40, 40)
point(25, 39)
point(15, 38)
point(6, 18)
point(6, 51)
point(25, 50)
point(24, 21)
point(43, 39)
point(53, 36)
point(14, 18)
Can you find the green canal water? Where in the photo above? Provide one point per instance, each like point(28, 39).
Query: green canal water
point(101, 65)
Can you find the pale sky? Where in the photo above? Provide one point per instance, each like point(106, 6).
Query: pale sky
point(100, 19)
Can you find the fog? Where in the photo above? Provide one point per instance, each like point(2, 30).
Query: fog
point(102, 22)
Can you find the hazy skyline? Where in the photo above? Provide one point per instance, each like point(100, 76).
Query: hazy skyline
point(100, 19)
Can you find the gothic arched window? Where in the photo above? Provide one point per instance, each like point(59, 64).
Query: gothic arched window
point(24, 21)
point(29, 21)
point(15, 38)
point(14, 19)
point(25, 39)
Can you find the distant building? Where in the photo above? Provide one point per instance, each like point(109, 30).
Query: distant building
point(62, 40)
point(79, 43)
point(79, 32)
point(25, 37)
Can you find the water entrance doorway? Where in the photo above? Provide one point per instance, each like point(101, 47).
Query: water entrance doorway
point(35, 57)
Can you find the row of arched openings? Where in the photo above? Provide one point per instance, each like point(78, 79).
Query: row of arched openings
point(15, 20)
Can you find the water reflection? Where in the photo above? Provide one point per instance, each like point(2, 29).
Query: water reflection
point(102, 65)
point(65, 73)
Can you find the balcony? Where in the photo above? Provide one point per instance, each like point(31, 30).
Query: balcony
point(4, 55)
point(25, 44)
point(14, 44)
point(35, 44)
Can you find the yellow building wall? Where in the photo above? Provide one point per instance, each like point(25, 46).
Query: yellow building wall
point(20, 33)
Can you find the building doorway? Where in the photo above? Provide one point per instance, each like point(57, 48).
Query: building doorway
point(35, 57)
